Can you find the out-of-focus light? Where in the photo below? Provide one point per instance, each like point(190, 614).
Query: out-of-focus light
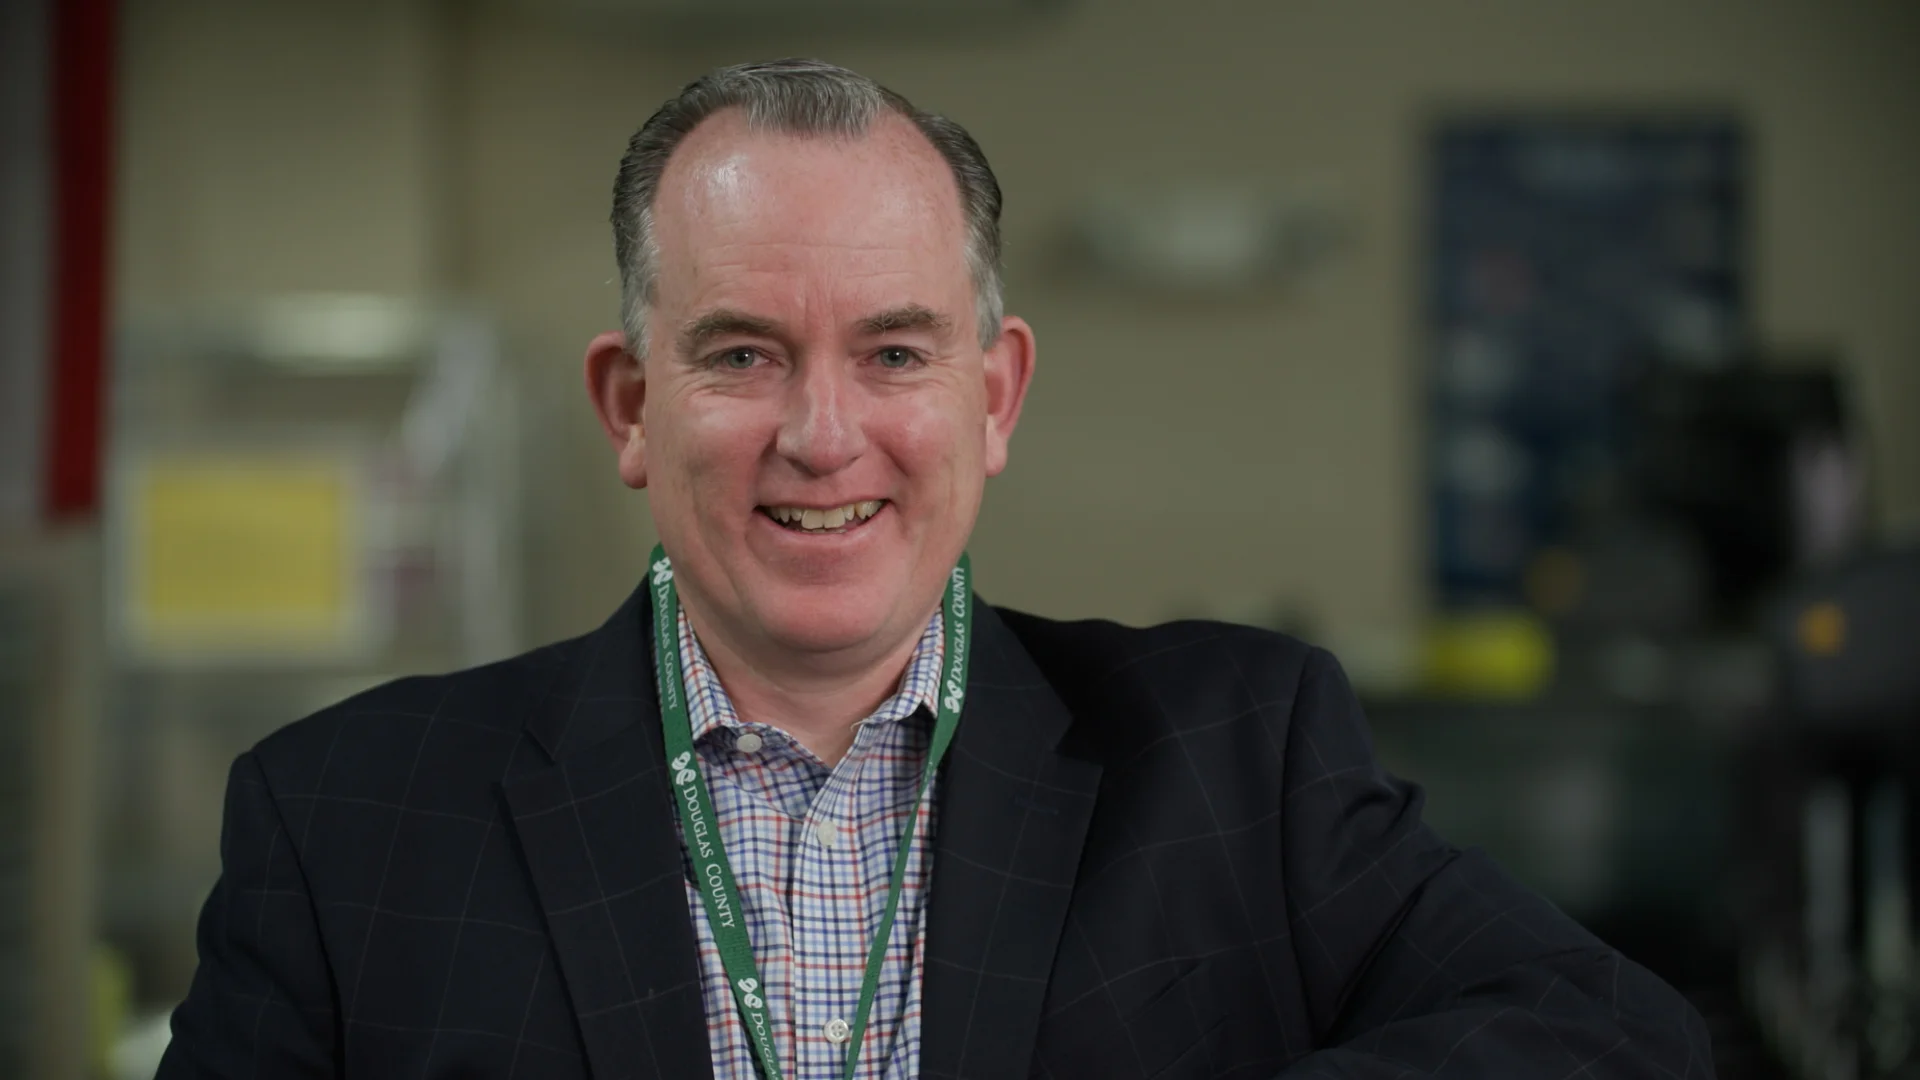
point(1204, 238)
point(1489, 655)
point(340, 332)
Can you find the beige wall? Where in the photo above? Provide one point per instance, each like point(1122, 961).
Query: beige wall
point(1218, 457)
point(274, 146)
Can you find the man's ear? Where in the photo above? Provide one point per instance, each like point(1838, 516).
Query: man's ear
point(617, 386)
point(1009, 369)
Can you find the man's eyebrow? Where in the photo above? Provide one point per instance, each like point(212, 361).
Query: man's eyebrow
point(723, 322)
point(910, 317)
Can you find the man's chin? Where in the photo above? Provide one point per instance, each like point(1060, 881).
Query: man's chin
point(859, 617)
point(805, 636)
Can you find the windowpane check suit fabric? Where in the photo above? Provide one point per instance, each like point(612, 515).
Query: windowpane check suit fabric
point(1163, 852)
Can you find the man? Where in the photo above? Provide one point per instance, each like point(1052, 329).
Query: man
point(726, 832)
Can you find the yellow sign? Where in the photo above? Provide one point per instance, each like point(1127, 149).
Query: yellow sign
point(239, 554)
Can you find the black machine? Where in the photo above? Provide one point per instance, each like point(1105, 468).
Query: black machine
point(1826, 905)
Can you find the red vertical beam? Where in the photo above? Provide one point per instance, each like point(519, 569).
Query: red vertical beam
point(83, 62)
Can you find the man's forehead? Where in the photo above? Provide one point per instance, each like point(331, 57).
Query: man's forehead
point(726, 167)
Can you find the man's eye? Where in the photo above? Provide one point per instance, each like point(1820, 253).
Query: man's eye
point(741, 359)
point(896, 357)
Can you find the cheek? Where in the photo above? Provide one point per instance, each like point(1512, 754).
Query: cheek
point(935, 442)
point(712, 447)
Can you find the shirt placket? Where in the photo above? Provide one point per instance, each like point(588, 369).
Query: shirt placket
point(829, 927)
point(809, 891)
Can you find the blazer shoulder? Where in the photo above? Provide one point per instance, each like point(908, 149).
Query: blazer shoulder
point(1174, 674)
point(489, 703)
point(1200, 648)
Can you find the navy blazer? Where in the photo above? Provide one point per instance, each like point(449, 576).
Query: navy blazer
point(1161, 853)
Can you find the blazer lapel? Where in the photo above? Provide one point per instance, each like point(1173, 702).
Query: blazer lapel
point(598, 832)
point(1013, 814)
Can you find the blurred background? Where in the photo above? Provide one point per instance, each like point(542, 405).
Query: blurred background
point(1557, 365)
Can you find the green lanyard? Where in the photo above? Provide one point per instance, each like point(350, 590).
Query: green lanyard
point(718, 891)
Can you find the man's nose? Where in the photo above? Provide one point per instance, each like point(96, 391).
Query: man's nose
point(823, 430)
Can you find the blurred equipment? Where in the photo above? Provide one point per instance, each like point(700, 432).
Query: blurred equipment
point(307, 496)
point(1617, 811)
point(1753, 462)
point(1828, 918)
point(50, 675)
point(1612, 810)
point(57, 97)
point(321, 482)
point(57, 136)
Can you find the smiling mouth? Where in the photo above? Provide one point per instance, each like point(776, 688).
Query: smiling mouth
point(838, 519)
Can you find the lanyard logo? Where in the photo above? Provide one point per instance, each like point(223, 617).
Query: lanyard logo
point(662, 570)
point(747, 995)
point(682, 774)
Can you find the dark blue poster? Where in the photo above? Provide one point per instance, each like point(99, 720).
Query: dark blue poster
point(1566, 254)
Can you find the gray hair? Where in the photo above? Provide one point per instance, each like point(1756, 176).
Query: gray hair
point(799, 97)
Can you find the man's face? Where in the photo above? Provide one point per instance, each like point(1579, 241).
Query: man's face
point(817, 416)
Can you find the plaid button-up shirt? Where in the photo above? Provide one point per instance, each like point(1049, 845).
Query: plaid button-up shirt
point(812, 848)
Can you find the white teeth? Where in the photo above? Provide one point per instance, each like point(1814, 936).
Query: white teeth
point(815, 520)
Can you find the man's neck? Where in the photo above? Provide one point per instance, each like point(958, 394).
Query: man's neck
point(819, 701)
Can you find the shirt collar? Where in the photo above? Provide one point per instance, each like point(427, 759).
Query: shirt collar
point(710, 709)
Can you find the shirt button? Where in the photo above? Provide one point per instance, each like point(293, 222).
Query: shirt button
point(838, 1031)
point(748, 743)
point(826, 834)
